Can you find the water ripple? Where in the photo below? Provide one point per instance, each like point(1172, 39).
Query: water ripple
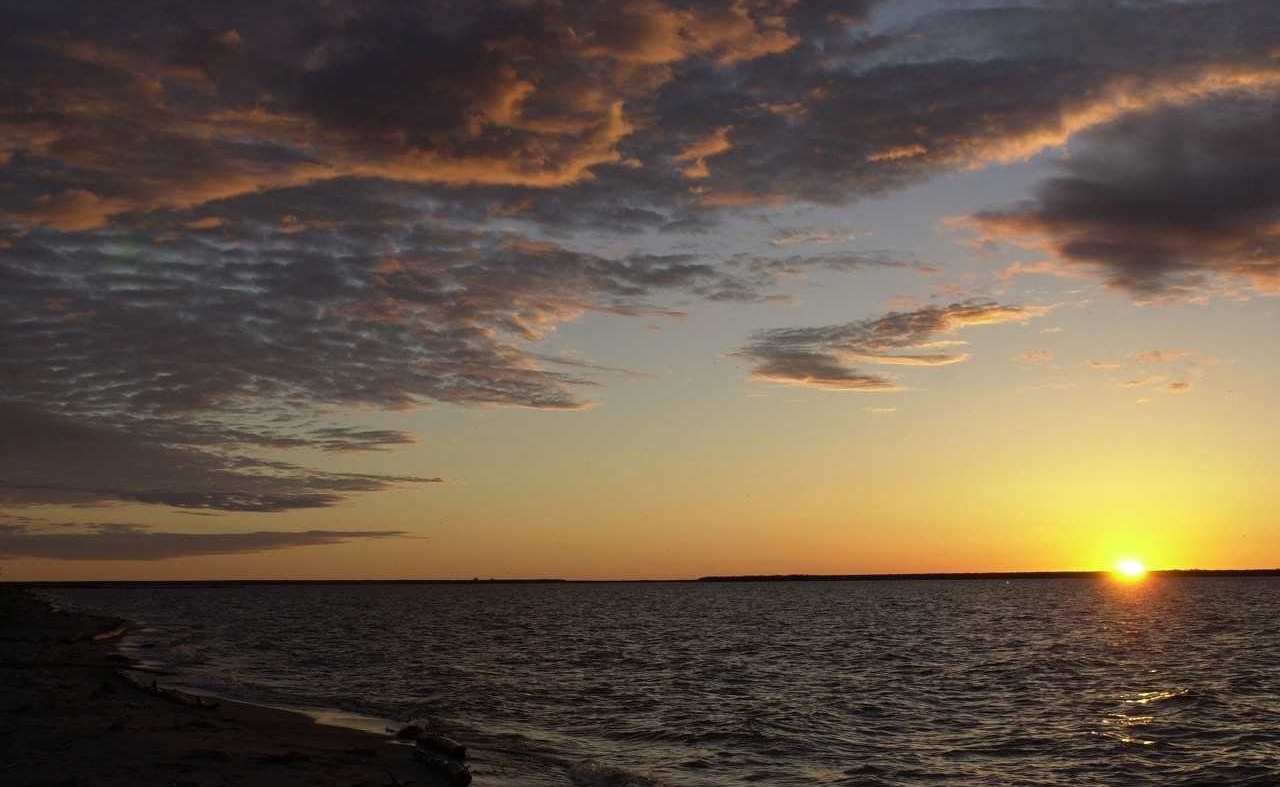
point(1046, 683)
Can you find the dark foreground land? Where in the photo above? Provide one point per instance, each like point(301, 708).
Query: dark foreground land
point(69, 718)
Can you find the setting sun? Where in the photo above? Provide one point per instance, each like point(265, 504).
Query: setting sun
point(1130, 569)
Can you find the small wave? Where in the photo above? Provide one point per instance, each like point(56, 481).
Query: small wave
point(593, 774)
point(1160, 697)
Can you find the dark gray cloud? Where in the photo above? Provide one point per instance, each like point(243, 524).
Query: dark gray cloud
point(866, 113)
point(1163, 203)
point(52, 459)
point(251, 321)
point(630, 116)
point(197, 341)
point(165, 108)
point(831, 356)
point(134, 542)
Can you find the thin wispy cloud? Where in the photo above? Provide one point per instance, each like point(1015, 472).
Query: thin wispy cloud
point(1161, 356)
point(1033, 357)
point(833, 357)
point(814, 236)
point(132, 542)
point(48, 459)
point(1145, 358)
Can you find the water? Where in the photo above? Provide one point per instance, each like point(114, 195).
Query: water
point(1053, 682)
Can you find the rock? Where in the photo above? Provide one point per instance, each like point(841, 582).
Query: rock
point(434, 741)
point(452, 770)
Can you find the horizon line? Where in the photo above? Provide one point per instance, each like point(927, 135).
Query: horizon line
point(710, 579)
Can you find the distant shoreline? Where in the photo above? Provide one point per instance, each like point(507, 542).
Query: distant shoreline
point(990, 575)
point(908, 577)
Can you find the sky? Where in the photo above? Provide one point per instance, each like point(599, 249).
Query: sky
point(637, 289)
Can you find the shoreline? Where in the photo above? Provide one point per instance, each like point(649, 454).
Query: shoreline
point(68, 718)
point(122, 629)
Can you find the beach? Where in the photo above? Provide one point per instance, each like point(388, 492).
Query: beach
point(68, 717)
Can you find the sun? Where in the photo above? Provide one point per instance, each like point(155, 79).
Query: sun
point(1130, 569)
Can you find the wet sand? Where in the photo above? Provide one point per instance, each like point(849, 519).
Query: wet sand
point(68, 718)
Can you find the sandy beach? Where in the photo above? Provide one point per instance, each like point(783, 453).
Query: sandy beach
point(69, 718)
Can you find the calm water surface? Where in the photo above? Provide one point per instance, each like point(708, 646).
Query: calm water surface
point(1053, 682)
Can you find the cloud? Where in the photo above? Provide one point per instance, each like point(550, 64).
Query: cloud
point(1166, 203)
point(155, 110)
point(1034, 356)
point(1144, 358)
point(254, 333)
point(1041, 268)
point(575, 114)
point(791, 236)
point(1160, 356)
point(827, 357)
point(696, 155)
point(538, 106)
point(867, 114)
point(1178, 386)
point(132, 542)
point(72, 210)
point(364, 303)
point(224, 231)
point(753, 277)
point(47, 459)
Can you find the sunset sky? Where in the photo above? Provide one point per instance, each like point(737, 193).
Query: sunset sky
point(645, 288)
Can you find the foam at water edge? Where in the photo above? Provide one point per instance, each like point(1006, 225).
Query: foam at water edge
point(593, 774)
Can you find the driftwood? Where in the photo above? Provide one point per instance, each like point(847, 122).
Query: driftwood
point(118, 631)
point(452, 770)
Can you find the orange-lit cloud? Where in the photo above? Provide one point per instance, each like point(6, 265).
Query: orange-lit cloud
point(698, 153)
point(1127, 95)
point(893, 154)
